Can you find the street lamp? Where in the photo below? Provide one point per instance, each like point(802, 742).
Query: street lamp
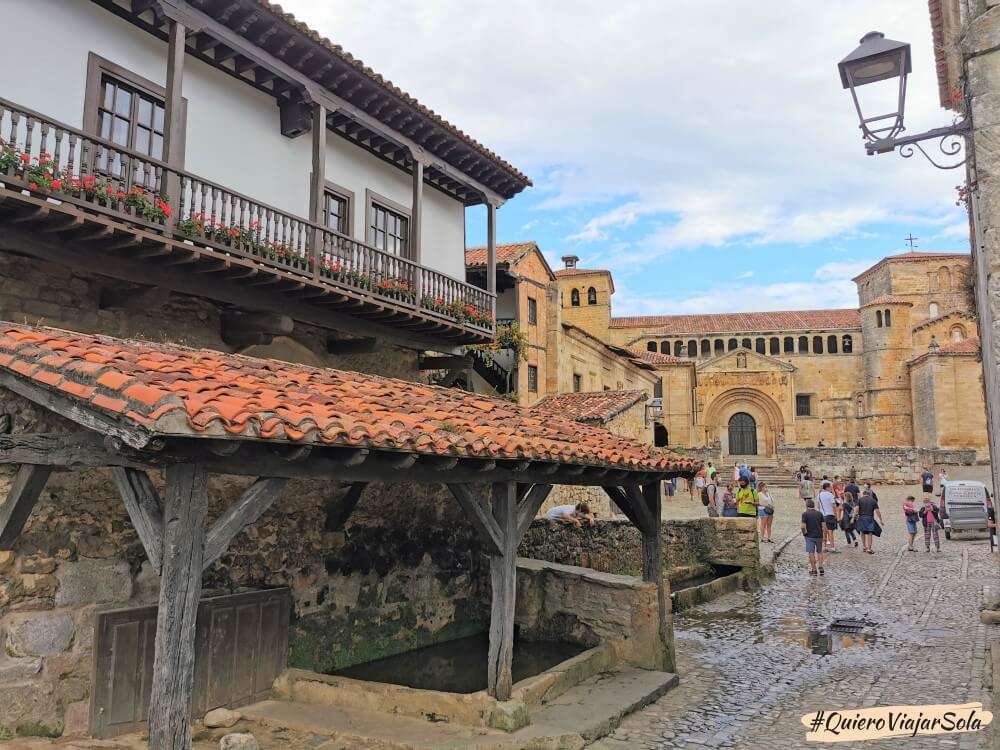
point(879, 59)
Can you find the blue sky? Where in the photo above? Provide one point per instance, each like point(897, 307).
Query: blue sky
point(705, 153)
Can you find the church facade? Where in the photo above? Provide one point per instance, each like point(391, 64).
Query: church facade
point(901, 369)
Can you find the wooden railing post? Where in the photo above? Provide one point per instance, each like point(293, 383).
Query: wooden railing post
point(173, 125)
point(491, 248)
point(416, 221)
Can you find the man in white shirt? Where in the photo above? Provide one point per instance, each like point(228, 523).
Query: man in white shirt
point(573, 514)
point(829, 507)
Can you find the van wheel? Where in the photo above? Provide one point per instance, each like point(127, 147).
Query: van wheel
point(947, 533)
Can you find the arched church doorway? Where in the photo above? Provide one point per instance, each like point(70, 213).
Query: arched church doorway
point(742, 435)
point(661, 439)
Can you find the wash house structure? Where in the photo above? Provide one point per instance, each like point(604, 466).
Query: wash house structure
point(138, 407)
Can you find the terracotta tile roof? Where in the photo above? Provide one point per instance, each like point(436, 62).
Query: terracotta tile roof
point(888, 299)
point(507, 253)
point(391, 88)
point(747, 322)
point(944, 316)
point(969, 347)
point(593, 407)
point(656, 358)
point(173, 391)
point(910, 257)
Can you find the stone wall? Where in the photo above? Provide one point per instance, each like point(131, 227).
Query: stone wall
point(615, 546)
point(878, 465)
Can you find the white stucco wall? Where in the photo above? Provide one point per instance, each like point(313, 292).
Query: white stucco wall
point(233, 134)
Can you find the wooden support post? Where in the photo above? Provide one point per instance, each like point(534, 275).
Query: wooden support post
point(245, 511)
point(144, 507)
point(652, 563)
point(173, 114)
point(337, 512)
point(24, 492)
point(529, 505)
point(317, 192)
point(491, 248)
point(503, 577)
point(417, 222)
point(185, 506)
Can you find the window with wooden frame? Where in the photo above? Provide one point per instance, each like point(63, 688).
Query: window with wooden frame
point(577, 382)
point(803, 405)
point(127, 110)
point(338, 209)
point(532, 311)
point(388, 225)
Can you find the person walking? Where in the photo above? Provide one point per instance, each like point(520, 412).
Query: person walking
point(911, 516)
point(699, 485)
point(828, 507)
point(747, 499)
point(765, 512)
point(927, 482)
point(711, 472)
point(930, 515)
point(753, 477)
point(868, 511)
point(852, 487)
point(806, 490)
point(849, 517)
point(812, 525)
point(729, 503)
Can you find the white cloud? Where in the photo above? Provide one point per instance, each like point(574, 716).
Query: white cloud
point(745, 275)
point(691, 124)
point(959, 230)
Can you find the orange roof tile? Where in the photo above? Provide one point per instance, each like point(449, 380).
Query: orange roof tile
point(969, 347)
point(888, 299)
point(656, 358)
point(593, 407)
point(506, 253)
point(174, 391)
point(745, 322)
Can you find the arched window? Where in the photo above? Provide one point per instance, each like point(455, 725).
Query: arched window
point(651, 346)
point(944, 277)
point(958, 333)
point(888, 318)
point(733, 344)
point(574, 298)
point(803, 344)
point(664, 347)
point(746, 344)
point(933, 310)
point(720, 347)
point(817, 344)
point(706, 348)
point(760, 346)
point(878, 318)
point(692, 348)
point(774, 345)
point(848, 344)
point(591, 296)
point(678, 348)
point(860, 405)
point(831, 344)
point(789, 343)
point(661, 438)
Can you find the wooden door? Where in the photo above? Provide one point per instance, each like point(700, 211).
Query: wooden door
point(742, 435)
point(241, 646)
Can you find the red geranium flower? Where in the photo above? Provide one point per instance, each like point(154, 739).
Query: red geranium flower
point(56, 185)
point(25, 158)
point(32, 186)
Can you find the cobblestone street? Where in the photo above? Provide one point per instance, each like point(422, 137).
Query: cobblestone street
point(752, 663)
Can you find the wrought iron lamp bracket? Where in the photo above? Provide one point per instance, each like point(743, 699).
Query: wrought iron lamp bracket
point(950, 142)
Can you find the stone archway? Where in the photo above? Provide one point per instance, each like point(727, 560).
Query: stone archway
point(762, 410)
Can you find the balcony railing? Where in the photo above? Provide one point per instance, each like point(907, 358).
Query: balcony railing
point(60, 162)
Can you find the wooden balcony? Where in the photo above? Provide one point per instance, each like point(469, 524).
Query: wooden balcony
point(76, 199)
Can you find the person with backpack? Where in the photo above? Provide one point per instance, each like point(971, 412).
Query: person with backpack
point(708, 497)
point(747, 499)
point(849, 518)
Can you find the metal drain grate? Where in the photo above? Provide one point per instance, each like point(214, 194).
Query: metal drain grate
point(847, 625)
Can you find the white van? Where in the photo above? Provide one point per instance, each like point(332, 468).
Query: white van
point(963, 506)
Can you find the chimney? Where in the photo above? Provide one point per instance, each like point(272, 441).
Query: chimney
point(570, 260)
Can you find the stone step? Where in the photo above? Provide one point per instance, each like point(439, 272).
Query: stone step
point(596, 707)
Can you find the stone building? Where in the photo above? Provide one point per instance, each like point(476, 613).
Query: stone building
point(761, 383)
point(159, 286)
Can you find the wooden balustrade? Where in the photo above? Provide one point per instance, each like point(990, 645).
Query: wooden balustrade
point(61, 162)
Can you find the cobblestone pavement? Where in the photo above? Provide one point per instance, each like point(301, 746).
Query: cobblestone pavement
point(752, 664)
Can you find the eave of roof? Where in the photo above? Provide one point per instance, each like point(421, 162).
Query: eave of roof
point(969, 347)
point(510, 253)
point(170, 391)
point(595, 407)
